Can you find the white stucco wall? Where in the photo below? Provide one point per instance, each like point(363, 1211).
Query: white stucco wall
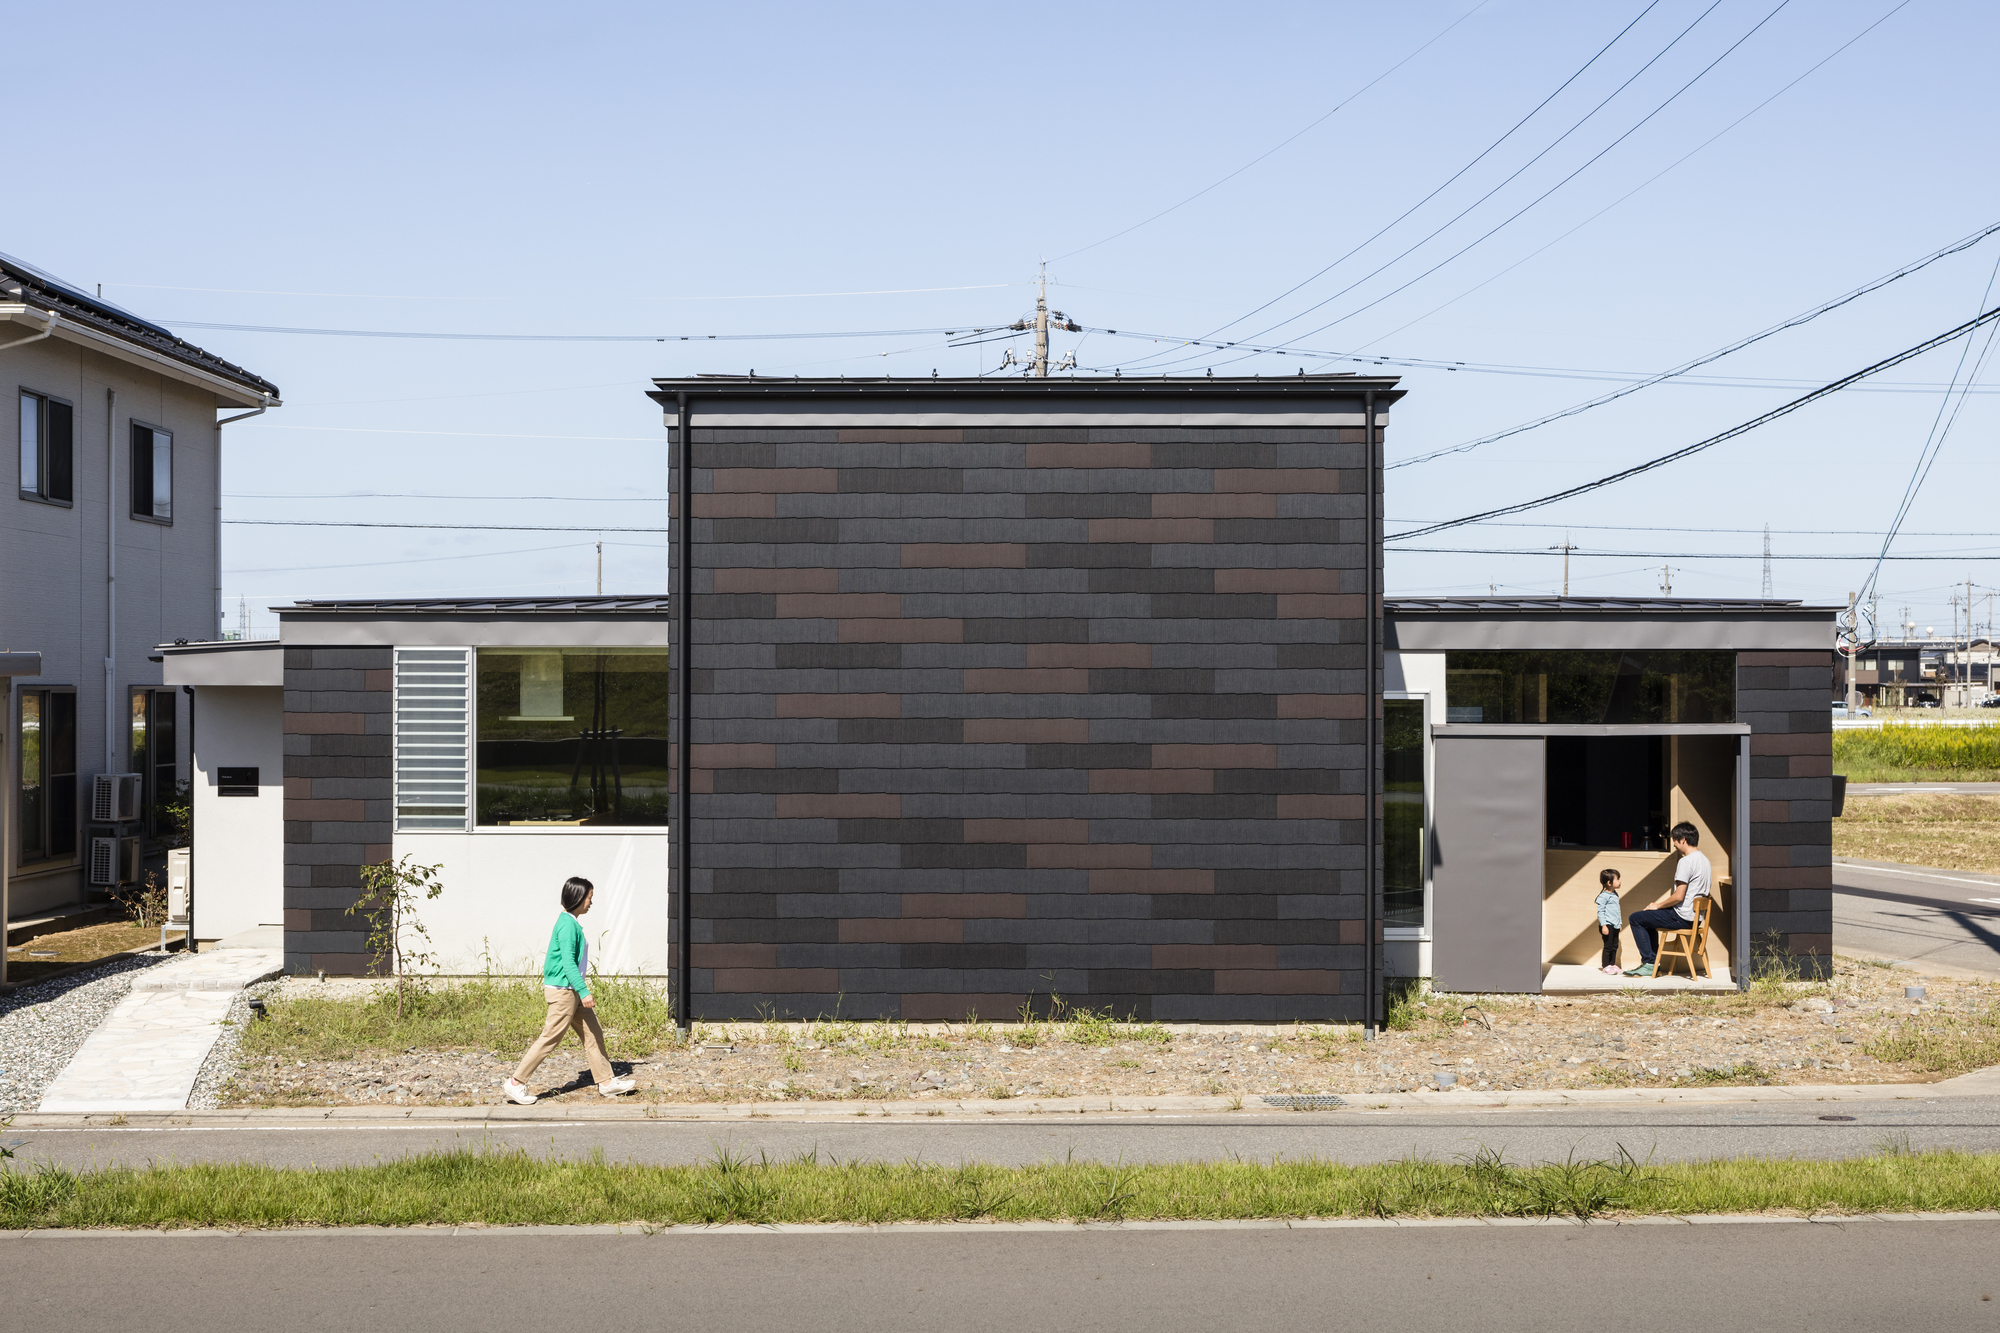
point(502, 892)
point(239, 841)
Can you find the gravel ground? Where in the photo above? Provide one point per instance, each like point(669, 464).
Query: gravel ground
point(1803, 1033)
point(41, 1026)
point(220, 1066)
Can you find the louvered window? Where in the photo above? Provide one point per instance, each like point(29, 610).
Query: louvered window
point(433, 738)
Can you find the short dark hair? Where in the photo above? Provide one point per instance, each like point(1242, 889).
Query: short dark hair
point(1605, 877)
point(1687, 833)
point(575, 889)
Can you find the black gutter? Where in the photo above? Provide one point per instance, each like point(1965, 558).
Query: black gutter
point(679, 879)
point(668, 392)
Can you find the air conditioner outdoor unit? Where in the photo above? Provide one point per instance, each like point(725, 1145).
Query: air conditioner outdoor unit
point(114, 798)
point(180, 897)
point(104, 863)
point(114, 861)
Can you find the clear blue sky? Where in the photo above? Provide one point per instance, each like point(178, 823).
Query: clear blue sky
point(708, 169)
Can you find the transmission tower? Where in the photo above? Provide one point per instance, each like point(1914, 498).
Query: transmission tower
point(1767, 562)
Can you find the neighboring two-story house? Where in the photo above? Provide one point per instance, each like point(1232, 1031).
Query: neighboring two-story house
point(110, 545)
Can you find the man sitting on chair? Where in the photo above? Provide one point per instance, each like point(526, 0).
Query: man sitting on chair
point(1674, 911)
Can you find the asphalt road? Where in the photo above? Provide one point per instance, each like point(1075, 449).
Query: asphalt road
point(1663, 1133)
point(1718, 1277)
point(1924, 788)
point(1939, 918)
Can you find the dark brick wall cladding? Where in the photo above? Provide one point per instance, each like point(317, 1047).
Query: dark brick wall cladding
point(986, 714)
point(339, 800)
point(1783, 696)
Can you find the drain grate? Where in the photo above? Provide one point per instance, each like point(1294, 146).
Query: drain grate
point(1315, 1101)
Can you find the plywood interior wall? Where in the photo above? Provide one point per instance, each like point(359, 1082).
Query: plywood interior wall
point(1702, 772)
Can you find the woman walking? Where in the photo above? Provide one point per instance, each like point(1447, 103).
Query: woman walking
point(566, 986)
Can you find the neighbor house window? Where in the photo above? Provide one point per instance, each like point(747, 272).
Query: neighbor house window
point(152, 474)
point(571, 736)
point(154, 758)
point(1590, 686)
point(45, 807)
point(1403, 834)
point(48, 449)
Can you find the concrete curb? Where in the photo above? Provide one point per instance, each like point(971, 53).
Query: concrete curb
point(988, 1228)
point(1985, 1082)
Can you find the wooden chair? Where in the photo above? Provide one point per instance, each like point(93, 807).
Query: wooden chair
point(1689, 943)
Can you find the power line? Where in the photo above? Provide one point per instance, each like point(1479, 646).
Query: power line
point(573, 337)
point(1682, 527)
point(1582, 553)
point(1442, 34)
point(1927, 345)
point(409, 296)
point(1795, 321)
point(1934, 441)
point(1810, 70)
point(414, 560)
point(1482, 155)
point(1531, 204)
point(413, 495)
point(456, 527)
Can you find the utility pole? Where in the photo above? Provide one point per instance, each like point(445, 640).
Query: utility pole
point(1767, 562)
point(1565, 548)
point(1666, 581)
point(1039, 367)
point(600, 567)
point(1965, 693)
point(1852, 648)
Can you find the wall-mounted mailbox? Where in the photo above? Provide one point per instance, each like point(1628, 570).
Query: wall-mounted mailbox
point(236, 781)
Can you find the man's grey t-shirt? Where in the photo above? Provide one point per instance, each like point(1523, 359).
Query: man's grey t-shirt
point(1694, 872)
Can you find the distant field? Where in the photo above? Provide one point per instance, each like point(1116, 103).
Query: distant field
point(1943, 831)
point(1899, 752)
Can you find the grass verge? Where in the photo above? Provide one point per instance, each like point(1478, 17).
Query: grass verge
point(511, 1188)
point(498, 1013)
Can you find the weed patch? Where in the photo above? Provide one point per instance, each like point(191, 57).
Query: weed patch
point(512, 1188)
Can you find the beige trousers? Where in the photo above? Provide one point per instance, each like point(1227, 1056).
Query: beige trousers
point(566, 1011)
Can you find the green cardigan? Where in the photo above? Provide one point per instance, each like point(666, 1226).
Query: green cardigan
point(564, 965)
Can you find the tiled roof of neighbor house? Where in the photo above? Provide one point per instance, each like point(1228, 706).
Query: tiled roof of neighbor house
point(1595, 605)
point(512, 606)
point(23, 282)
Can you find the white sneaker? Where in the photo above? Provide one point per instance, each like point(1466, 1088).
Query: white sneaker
point(517, 1092)
point(617, 1086)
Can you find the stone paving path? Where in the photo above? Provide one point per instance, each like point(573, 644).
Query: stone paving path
point(146, 1053)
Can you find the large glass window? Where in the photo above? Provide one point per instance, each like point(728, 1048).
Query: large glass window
point(1587, 686)
point(1403, 812)
point(45, 808)
point(572, 736)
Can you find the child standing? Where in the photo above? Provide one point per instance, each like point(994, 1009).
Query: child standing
point(1609, 919)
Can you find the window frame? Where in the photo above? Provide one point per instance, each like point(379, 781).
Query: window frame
point(1420, 933)
point(132, 428)
point(16, 772)
point(519, 828)
point(43, 492)
point(139, 757)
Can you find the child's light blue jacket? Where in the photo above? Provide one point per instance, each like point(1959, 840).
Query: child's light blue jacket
point(1607, 909)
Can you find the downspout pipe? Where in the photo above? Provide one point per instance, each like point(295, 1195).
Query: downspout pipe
point(194, 782)
point(263, 405)
point(110, 581)
point(1372, 711)
point(681, 879)
point(53, 318)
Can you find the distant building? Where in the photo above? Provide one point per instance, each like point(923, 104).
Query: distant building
point(110, 545)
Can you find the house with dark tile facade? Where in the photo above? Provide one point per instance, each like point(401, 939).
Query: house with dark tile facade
point(975, 694)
